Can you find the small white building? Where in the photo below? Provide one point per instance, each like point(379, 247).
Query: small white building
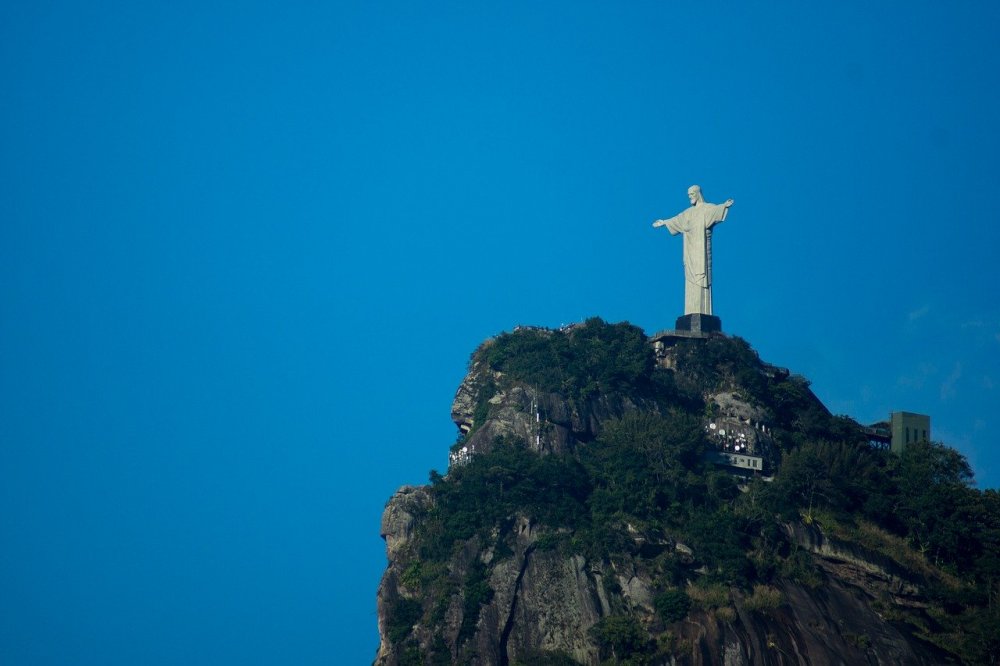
point(738, 460)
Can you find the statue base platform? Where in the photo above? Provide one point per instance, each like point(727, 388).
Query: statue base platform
point(699, 323)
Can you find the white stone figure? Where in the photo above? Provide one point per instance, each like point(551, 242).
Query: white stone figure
point(696, 224)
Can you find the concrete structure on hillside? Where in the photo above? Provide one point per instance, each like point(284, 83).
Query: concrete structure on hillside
point(746, 463)
point(907, 428)
point(901, 429)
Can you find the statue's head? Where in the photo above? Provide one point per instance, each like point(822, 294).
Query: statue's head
point(694, 195)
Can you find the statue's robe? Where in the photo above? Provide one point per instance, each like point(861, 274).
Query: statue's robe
point(696, 224)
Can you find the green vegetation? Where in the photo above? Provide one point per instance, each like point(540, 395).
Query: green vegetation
point(403, 615)
point(924, 497)
point(477, 592)
point(720, 363)
point(918, 509)
point(764, 598)
point(641, 485)
point(708, 596)
point(622, 640)
point(672, 605)
point(411, 656)
point(494, 487)
point(644, 470)
point(590, 359)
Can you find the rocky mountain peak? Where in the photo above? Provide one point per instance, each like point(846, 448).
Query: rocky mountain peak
point(618, 498)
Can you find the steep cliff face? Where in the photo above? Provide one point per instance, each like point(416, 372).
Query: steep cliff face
point(489, 405)
point(545, 603)
point(580, 524)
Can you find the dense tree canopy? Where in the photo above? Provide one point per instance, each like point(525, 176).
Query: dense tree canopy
point(581, 362)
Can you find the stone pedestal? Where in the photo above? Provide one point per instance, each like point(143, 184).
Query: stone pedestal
point(699, 323)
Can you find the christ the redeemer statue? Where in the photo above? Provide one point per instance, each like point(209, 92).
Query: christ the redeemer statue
point(696, 224)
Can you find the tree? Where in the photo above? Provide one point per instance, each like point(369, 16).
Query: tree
point(672, 605)
point(936, 502)
point(619, 637)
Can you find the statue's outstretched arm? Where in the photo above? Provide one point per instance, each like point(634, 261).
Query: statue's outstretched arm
point(663, 223)
point(725, 211)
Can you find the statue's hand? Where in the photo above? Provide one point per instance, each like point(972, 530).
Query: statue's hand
point(659, 223)
point(729, 202)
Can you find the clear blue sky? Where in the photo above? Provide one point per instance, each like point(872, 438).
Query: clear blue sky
point(247, 249)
